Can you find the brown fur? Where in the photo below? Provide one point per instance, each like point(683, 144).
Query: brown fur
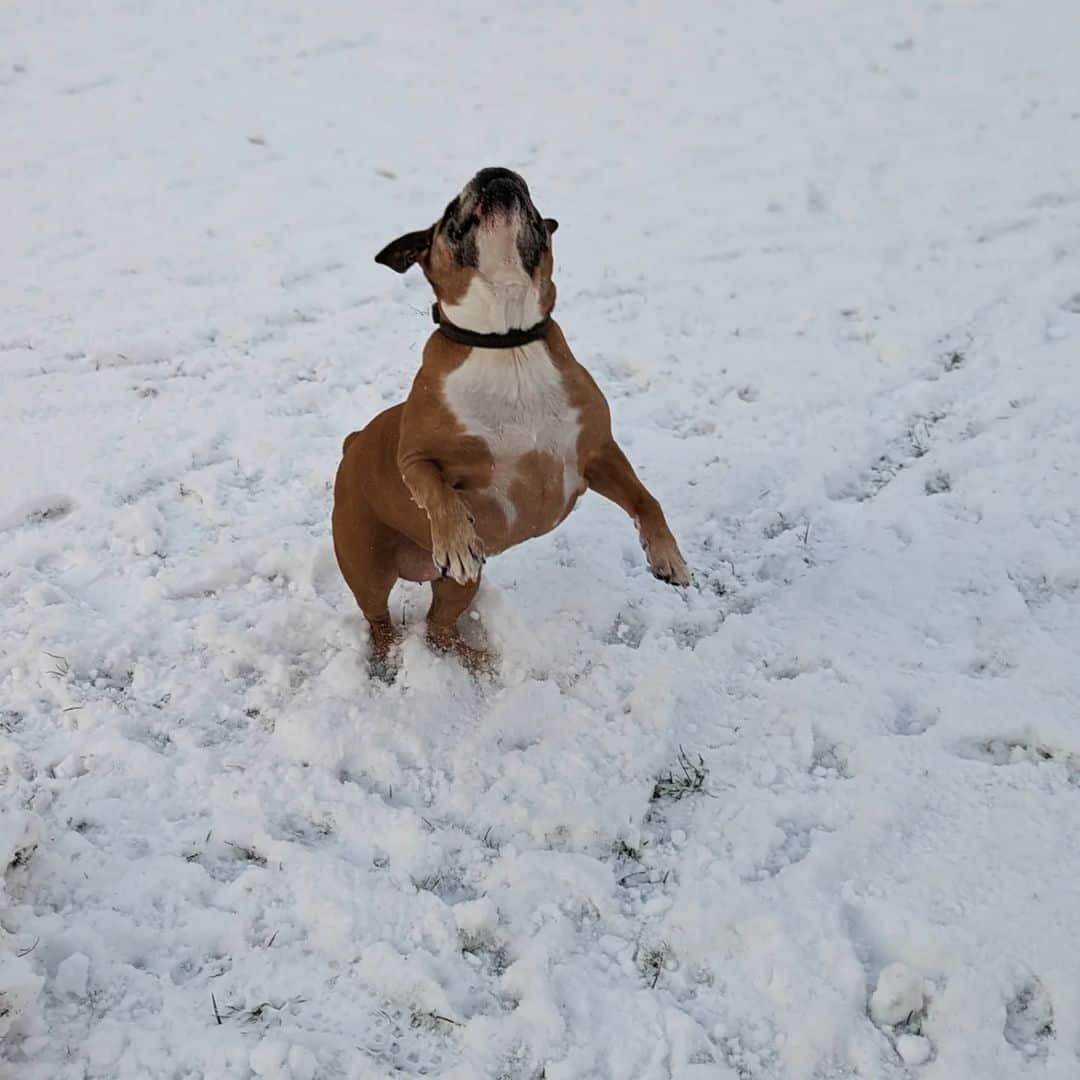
point(411, 488)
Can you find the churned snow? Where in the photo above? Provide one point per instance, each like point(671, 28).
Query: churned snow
point(816, 817)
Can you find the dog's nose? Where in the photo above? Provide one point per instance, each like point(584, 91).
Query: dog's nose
point(498, 194)
point(487, 176)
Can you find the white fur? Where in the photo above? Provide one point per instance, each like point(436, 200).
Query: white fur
point(500, 296)
point(494, 307)
point(514, 400)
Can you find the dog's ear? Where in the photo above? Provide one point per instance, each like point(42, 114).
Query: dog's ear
point(551, 224)
point(401, 253)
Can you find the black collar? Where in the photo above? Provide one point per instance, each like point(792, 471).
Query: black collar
point(512, 339)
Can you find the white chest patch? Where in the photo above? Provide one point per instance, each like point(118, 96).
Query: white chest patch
point(514, 400)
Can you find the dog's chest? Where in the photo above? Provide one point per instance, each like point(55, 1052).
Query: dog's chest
point(515, 400)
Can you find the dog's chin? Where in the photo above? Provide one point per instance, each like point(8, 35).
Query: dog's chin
point(497, 248)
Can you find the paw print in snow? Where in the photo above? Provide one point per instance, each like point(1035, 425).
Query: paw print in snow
point(1029, 1020)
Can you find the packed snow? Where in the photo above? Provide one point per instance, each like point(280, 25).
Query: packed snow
point(815, 818)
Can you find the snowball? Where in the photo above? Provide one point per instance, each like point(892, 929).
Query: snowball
point(914, 1049)
point(898, 995)
point(71, 976)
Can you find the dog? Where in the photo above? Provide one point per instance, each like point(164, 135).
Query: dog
point(502, 431)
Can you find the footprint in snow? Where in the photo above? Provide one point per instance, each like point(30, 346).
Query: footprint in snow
point(409, 1039)
point(829, 760)
point(791, 847)
point(37, 511)
point(1000, 752)
point(1029, 1020)
point(628, 629)
point(911, 721)
point(900, 454)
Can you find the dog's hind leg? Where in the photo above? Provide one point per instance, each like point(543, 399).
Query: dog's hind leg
point(366, 553)
point(448, 602)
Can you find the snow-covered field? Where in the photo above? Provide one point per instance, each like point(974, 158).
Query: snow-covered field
point(817, 817)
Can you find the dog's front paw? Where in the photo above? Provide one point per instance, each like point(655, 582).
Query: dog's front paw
point(455, 548)
point(666, 561)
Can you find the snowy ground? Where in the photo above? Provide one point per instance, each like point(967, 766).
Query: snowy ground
point(823, 258)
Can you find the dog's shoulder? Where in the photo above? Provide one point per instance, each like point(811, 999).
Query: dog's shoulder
point(582, 390)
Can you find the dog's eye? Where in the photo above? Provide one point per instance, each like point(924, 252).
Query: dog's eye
point(456, 230)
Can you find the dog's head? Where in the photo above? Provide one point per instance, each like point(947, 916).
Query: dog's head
point(488, 257)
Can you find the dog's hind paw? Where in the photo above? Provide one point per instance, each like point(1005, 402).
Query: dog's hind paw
point(383, 669)
point(448, 640)
point(383, 658)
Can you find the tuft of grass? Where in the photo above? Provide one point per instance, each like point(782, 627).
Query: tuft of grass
point(61, 668)
point(429, 883)
point(247, 854)
point(686, 777)
point(650, 962)
point(937, 483)
point(430, 1020)
point(30, 949)
point(488, 951)
point(22, 856)
point(622, 850)
point(256, 1013)
point(778, 527)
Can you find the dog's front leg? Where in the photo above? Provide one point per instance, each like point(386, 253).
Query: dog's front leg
point(455, 547)
point(611, 475)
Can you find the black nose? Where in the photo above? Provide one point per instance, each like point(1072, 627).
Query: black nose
point(488, 176)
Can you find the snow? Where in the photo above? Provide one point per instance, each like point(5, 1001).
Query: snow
point(71, 976)
point(898, 995)
point(913, 1049)
point(822, 260)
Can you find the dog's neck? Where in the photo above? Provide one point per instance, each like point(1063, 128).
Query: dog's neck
point(494, 307)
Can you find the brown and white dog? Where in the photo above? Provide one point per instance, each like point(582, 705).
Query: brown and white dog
point(501, 433)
